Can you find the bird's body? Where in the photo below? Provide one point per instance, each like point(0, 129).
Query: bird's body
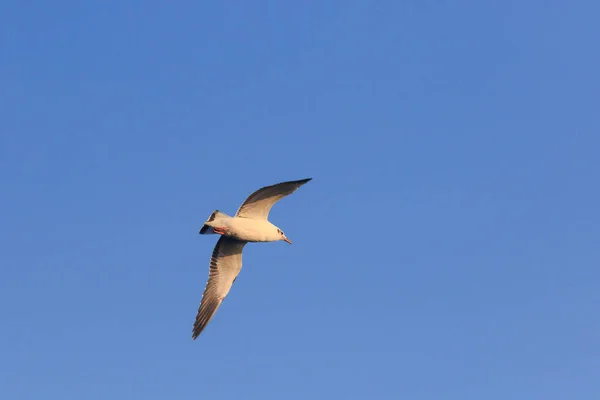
point(250, 224)
point(244, 229)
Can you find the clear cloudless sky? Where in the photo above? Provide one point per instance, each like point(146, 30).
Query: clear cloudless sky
point(446, 248)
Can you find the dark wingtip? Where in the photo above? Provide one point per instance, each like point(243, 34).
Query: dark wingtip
point(206, 311)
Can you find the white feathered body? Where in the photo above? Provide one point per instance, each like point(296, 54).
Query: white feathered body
point(245, 229)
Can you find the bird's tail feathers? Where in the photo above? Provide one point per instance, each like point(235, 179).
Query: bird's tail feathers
point(206, 229)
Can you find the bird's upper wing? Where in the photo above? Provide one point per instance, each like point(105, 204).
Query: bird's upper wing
point(259, 203)
point(225, 265)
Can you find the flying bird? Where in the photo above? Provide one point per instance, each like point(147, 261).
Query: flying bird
point(250, 224)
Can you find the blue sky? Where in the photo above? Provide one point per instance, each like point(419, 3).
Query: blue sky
point(446, 248)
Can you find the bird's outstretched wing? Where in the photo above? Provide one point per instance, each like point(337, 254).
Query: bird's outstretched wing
point(259, 203)
point(225, 265)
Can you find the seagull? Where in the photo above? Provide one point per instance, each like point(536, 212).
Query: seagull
point(250, 224)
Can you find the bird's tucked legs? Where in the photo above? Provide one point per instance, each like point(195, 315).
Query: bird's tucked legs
point(219, 230)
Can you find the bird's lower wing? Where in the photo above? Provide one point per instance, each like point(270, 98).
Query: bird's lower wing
point(225, 265)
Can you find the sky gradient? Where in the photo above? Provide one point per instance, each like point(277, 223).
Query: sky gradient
point(446, 248)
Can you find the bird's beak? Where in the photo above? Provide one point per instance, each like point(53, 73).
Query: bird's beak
point(288, 240)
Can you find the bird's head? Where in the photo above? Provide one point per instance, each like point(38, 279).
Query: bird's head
point(283, 237)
